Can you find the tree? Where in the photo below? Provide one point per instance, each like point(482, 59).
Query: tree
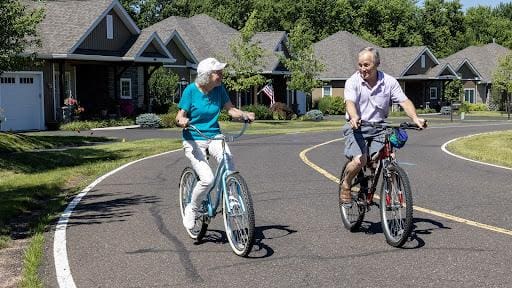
point(18, 32)
point(454, 91)
point(162, 87)
point(302, 64)
point(392, 23)
point(442, 27)
point(245, 64)
point(483, 26)
point(502, 82)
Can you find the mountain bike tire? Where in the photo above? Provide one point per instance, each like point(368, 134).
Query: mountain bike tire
point(352, 217)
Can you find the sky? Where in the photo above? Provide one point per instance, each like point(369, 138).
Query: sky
point(472, 3)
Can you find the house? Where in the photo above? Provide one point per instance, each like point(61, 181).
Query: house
point(421, 75)
point(91, 51)
point(207, 37)
point(475, 66)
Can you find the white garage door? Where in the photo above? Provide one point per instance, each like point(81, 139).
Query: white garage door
point(21, 101)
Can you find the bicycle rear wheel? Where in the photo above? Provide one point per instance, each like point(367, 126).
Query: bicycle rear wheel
point(239, 215)
point(352, 215)
point(396, 205)
point(188, 180)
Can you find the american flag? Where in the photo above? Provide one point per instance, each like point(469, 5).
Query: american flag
point(269, 91)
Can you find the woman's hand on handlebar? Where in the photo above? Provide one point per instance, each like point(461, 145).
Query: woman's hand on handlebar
point(249, 116)
point(183, 122)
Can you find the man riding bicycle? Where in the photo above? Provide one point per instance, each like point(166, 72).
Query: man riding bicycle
point(368, 93)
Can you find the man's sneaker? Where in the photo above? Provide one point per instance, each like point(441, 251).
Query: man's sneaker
point(189, 219)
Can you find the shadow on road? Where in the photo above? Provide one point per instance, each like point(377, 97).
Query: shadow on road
point(101, 208)
point(421, 226)
point(260, 249)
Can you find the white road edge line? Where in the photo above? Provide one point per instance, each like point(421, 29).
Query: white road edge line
point(60, 255)
point(443, 147)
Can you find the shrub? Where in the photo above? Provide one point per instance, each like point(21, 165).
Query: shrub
point(224, 116)
point(478, 107)
point(169, 120)
point(261, 112)
point(148, 120)
point(90, 124)
point(425, 111)
point(281, 111)
point(332, 105)
point(313, 115)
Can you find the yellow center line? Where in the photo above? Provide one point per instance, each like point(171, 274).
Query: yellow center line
point(417, 208)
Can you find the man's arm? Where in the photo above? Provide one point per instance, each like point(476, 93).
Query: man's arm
point(410, 110)
point(352, 114)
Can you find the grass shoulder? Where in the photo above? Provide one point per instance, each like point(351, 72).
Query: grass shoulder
point(493, 147)
point(37, 185)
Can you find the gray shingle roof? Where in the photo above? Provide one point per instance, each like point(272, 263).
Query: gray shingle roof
point(65, 23)
point(269, 41)
point(208, 37)
point(205, 36)
point(483, 58)
point(339, 54)
point(395, 60)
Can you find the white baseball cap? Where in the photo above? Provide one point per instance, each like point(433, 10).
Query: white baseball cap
point(210, 64)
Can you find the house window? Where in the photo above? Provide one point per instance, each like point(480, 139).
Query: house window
point(110, 27)
point(469, 95)
point(327, 91)
point(423, 64)
point(433, 93)
point(126, 88)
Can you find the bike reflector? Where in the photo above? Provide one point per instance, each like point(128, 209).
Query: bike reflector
point(398, 137)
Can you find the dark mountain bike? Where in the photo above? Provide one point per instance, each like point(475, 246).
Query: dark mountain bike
point(395, 202)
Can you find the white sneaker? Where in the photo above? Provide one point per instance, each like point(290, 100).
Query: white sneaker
point(189, 219)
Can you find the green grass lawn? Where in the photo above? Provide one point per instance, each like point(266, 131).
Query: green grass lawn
point(495, 147)
point(35, 186)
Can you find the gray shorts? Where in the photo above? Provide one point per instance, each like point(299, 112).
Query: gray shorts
point(356, 141)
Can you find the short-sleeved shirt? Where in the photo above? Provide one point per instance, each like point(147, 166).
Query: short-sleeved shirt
point(372, 104)
point(203, 110)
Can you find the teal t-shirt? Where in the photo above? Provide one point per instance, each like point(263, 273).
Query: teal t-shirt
point(203, 110)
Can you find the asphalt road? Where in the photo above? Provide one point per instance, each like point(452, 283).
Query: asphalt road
point(127, 231)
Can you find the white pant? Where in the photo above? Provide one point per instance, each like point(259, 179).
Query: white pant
point(196, 153)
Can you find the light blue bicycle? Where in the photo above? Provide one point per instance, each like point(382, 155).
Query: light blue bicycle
point(232, 192)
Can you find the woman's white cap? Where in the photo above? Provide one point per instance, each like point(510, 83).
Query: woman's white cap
point(210, 64)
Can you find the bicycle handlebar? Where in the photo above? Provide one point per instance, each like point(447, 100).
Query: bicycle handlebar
point(227, 138)
point(403, 125)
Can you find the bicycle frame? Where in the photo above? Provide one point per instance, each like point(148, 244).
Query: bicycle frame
point(221, 173)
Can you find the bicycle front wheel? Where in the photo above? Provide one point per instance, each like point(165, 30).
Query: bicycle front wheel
point(352, 215)
point(188, 180)
point(238, 213)
point(396, 205)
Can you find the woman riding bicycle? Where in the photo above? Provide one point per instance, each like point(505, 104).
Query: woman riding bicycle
point(368, 93)
point(200, 105)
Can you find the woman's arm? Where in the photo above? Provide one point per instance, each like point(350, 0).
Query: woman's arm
point(237, 113)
